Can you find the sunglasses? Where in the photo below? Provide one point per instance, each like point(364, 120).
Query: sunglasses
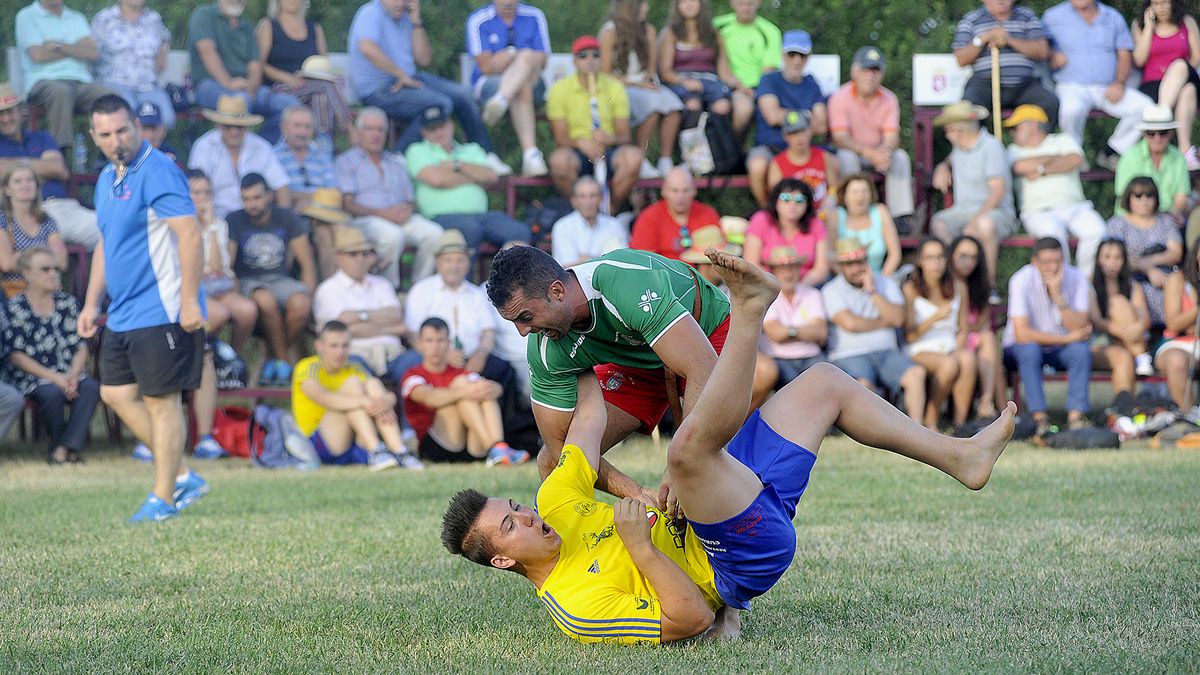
point(1143, 195)
point(792, 197)
point(1158, 132)
point(685, 237)
point(588, 54)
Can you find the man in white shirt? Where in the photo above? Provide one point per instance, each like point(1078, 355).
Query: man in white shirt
point(585, 233)
point(230, 151)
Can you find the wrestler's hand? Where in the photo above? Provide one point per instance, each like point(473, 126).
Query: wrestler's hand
point(190, 316)
point(629, 515)
point(647, 496)
point(668, 503)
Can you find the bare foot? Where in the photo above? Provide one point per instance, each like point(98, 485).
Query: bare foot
point(727, 626)
point(986, 448)
point(749, 286)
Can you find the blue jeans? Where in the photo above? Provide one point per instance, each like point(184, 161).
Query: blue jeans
point(408, 104)
point(495, 227)
point(11, 405)
point(1075, 358)
point(156, 96)
point(270, 104)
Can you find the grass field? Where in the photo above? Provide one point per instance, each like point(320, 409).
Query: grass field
point(1066, 561)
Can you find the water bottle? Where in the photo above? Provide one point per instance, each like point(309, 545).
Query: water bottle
point(79, 155)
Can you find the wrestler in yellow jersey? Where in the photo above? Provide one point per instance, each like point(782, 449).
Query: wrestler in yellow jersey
point(596, 593)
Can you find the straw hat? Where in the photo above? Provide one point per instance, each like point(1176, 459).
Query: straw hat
point(319, 67)
point(848, 250)
point(326, 206)
point(734, 228)
point(451, 241)
point(350, 239)
point(232, 110)
point(963, 111)
point(9, 98)
point(784, 255)
point(1157, 118)
point(704, 238)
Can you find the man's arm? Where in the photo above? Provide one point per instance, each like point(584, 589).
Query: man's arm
point(996, 190)
point(1024, 333)
point(380, 60)
point(303, 255)
point(847, 320)
point(332, 400)
point(686, 351)
point(191, 262)
point(421, 49)
point(1051, 164)
point(554, 425)
point(85, 50)
point(207, 50)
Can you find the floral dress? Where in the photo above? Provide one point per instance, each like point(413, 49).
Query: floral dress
point(49, 340)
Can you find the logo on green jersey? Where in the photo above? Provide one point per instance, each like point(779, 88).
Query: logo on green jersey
point(647, 298)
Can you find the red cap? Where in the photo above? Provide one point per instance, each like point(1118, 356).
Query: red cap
point(584, 42)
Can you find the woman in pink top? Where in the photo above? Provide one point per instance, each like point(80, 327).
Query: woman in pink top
point(790, 219)
point(1166, 46)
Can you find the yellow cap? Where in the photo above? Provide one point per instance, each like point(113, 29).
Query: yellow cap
point(1026, 113)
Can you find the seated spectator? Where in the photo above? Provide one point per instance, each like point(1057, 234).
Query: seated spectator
point(378, 193)
point(866, 308)
point(970, 269)
point(225, 62)
point(1156, 158)
point(1166, 47)
point(1091, 57)
point(451, 180)
point(1046, 167)
point(132, 43)
point(979, 173)
point(752, 46)
point(287, 39)
point(666, 226)
point(864, 122)
point(264, 242)
point(1048, 326)
point(47, 358)
point(224, 303)
point(936, 330)
point(76, 223)
point(230, 151)
point(325, 215)
point(150, 120)
point(810, 163)
point(387, 44)
point(794, 328)
point(343, 410)
point(510, 46)
point(12, 403)
point(779, 95)
point(1021, 38)
point(627, 52)
point(585, 233)
point(1118, 312)
point(791, 220)
point(23, 225)
point(309, 164)
point(56, 52)
point(692, 59)
point(454, 411)
point(589, 115)
point(1175, 357)
point(1151, 239)
point(862, 218)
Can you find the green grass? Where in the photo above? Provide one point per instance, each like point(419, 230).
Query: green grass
point(1066, 561)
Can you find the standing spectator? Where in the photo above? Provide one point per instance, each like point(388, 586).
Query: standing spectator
point(862, 218)
point(794, 328)
point(1021, 38)
point(150, 121)
point(76, 223)
point(230, 151)
point(1166, 46)
point(225, 61)
point(978, 171)
point(585, 233)
point(970, 269)
point(510, 45)
point(866, 308)
point(791, 220)
point(692, 60)
point(132, 45)
point(378, 193)
point(286, 40)
point(1046, 167)
point(1152, 241)
point(264, 242)
point(325, 215)
point(387, 44)
point(47, 358)
point(779, 95)
point(1048, 326)
point(1092, 59)
point(223, 301)
point(1118, 311)
point(1175, 358)
point(753, 48)
point(1155, 158)
point(23, 225)
point(585, 137)
point(56, 52)
point(627, 53)
point(309, 164)
point(666, 226)
point(12, 403)
point(805, 161)
point(864, 121)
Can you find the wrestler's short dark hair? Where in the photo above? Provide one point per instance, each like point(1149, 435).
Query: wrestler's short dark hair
point(436, 323)
point(1046, 244)
point(109, 104)
point(334, 326)
point(527, 269)
point(459, 535)
point(251, 179)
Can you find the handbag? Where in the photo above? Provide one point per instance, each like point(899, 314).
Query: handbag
point(695, 150)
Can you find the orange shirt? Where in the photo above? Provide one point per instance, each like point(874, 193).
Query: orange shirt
point(866, 123)
point(656, 231)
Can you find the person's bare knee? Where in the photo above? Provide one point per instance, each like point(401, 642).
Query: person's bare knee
point(298, 305)
point(913, 378)
point(721, 107)
point(265, 299)
point(352, 386)
point(693, 104)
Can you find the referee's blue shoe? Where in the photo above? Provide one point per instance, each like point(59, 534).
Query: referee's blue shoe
point(189, 489)
point(154, 510)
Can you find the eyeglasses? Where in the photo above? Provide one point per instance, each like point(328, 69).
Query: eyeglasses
point(1157, 132)
point(933, 256)
point(685, 237)
point(359, 254)
point(966, 256)
point(305, 176)
point(1143, 195)
point(796, 197)
point(588, 54)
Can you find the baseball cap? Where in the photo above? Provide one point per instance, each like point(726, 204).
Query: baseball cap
point(584, 42)
point(797, 41)
point(1026, 112)
point(795, 120)
point(433, 116)
point(868, 57)
point(149, 115)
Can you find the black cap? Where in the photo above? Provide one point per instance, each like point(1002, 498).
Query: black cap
point(868, 57)
point(433, 116)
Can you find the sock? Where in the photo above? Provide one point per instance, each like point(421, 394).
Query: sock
point(182, 477)
point(532, 152)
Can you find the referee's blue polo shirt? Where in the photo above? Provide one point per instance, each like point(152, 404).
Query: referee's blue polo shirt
point(141, 253)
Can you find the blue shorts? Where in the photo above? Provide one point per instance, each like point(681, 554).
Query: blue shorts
point(752, 550)
point(353, 455)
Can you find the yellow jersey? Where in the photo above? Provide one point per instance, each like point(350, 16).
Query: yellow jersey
point(308, 413)
point(569, 101)
point(595, 592)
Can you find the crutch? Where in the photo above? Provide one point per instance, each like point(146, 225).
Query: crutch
point(996, 91)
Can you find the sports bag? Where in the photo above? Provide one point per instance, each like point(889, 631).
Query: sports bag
point(233, 428)
point(281, 445)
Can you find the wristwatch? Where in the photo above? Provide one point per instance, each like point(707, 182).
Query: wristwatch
point(977, 41)
point(791, 333)
point(457, 166)
point(364, 317)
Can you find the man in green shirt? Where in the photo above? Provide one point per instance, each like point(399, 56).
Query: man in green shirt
point(631, 316)
point(754, 47)
point(1155, 156)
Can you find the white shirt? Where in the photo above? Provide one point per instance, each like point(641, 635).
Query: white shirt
point(573, 237)
point(1052, 190)
point(339, 293)
point(210, 155)
point(466, 310)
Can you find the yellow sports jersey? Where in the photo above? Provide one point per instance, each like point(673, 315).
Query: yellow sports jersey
point(307, 412)
point(596, 593)
point(569, 100)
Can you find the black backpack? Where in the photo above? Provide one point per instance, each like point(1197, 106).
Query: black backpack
point(722, 143)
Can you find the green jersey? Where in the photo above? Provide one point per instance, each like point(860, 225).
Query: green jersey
point(634, 298)
point(750, 48)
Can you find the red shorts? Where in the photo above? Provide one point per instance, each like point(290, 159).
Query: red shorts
point(642, 392)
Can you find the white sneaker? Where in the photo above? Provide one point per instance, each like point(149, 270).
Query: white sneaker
point(409, 461)
point(533, 164)
point(648, 171)
point(382, 459)
point(1193, 162)
point(494, 109)
point(665, 165)
point(1143, 365)
point(496, 164)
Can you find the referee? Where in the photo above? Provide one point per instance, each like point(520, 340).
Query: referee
point(148, 260)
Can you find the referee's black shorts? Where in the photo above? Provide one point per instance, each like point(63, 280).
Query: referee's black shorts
point(161, 360)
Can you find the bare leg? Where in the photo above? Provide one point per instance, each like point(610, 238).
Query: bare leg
point(564, 170)
point(387, 424)
point(272, 321)
point(646, 129)
point(204, 399)
point(912, 383)
point(1185, 113)
point(766, 374)
point(245, 315)
point(521, 114)
point(988, 359)
point(756, 170)
point(481, 427)
point(1174, 364)
point(964, 387)
point(625, 166)
point(168, 434)
point(322, 236)
point(298, 306)
point(668, 131)
point(943, 370)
